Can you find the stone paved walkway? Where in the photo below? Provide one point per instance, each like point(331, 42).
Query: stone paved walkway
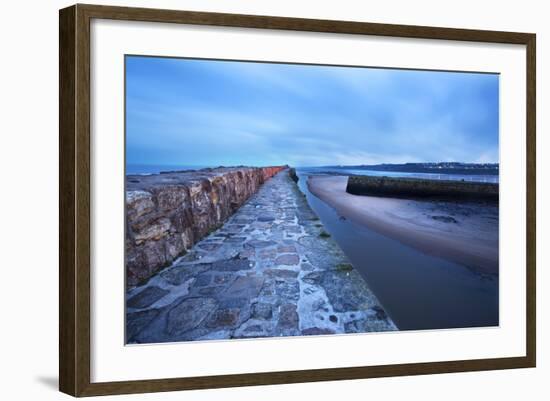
point(271, 270)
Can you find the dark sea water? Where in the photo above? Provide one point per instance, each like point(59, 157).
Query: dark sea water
point(417, 290)
point(157, 168)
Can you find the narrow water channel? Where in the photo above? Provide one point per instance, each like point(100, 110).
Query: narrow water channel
point(418, 291)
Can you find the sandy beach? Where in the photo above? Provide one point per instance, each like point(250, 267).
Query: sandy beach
point(462, 232)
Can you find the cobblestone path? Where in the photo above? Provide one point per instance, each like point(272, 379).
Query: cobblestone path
point(270, 270)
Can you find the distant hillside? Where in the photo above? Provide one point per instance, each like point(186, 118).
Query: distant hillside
point(441, 167)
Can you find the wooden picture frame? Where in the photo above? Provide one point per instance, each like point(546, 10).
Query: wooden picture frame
point(74, 199)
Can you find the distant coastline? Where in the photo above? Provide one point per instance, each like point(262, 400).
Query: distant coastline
point(411, 170)
point(433, 168)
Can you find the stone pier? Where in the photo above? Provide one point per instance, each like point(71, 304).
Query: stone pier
point(167, 213)
point(270, 270)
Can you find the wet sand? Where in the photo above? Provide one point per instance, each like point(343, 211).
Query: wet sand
point(462, 232)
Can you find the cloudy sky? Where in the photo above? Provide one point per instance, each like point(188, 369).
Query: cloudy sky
point(209, 113)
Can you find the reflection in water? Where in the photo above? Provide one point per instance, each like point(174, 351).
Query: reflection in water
point(418, 291)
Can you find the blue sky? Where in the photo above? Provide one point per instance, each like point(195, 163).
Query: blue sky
point(201, 112)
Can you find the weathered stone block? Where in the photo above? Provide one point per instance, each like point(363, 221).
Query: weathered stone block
point(288, 317)
point(147, 297)
point(188, 314)
point(262, 310)
point(289, 260)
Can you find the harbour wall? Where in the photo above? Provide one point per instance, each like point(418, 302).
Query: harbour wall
point(421, 188)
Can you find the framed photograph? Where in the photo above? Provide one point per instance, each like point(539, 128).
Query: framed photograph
point(250, 200)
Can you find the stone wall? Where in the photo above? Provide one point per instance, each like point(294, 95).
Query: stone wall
point(421, 188)
point(293, 175)
point(167, 213)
